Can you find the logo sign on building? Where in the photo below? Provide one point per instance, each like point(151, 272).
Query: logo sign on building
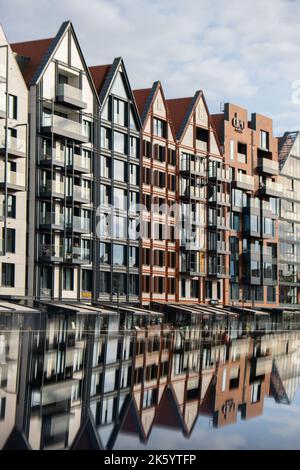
point(238, 124)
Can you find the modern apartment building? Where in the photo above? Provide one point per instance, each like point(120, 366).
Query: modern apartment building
point(160, 256)
point(13, 173)
point(117, 186)
point(251, 152)
point(63, 110)
point(204, 200)
point(289, 222)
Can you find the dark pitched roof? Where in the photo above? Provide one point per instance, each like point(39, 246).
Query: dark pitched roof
point(99, 74)
point(285, 144)
point(217, 122)
point(34, 51)
point(141, 98)
point(179, 109)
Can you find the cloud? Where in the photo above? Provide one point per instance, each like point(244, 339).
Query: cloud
point(246, 54)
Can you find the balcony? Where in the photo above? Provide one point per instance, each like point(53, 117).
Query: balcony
point(70, 96)
point(80, 164)
point(223, 199)
point(52, 220)
point(56, 158)
point(63, 127)
point(271, 189)
point(190, 165)
point(51, 252)
point(52, 188)
point(192, 268)
point(293, 195)
point(193, 192)
point(16, 147)
point(15, 181)
point(80, 194)
point(217, 271)
point(220, 174)
point(243, 181)
point(267, 166)
point(78, 255)
point(79, 224)
point(201, 145)
point(223, 247)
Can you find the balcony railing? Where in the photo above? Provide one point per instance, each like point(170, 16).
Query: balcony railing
point(223, 198)
point(81, 192)
point(193, 192)
point(55, 155)
point(247, 179)
point(223, 246)
point(272, 188)
point(201, 145)
point(51, 219)
point(64, 89)
point(268, 166)
point(52, 251)
point(65, 125)
point(14, 145)
point(82, 162)
point(79, 223)
point(78, 253)
point(53, 186)
point(14, 178)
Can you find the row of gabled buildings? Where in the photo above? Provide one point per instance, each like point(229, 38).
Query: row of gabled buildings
point(110, 194)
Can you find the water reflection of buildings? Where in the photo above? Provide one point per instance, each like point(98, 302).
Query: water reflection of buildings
point(80, 376)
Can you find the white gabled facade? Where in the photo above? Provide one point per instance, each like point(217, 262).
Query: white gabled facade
point(13, 174)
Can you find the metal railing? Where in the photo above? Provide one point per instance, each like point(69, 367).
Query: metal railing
point(51, 250)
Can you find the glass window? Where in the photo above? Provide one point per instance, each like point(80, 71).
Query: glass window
point(11, 206)
point(134, 147)
point(120, 170)
point(119, 112)
point(105, 166)
point(159, 127)
point(105, 138)
point(232, 146)
point(104, 195)
point(134, 174)
point(264, 140)
point(119, 283)
point(10, 239)
point(120, 199)
point(68, 279)
point(133, 256)
point(119, 142)
point(119, 255)
point(87, 280)
point(104, 283)
point(12, 107)
point(8, 275)
point(104, 253)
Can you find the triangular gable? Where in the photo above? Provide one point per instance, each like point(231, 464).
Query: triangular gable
point(109, 81)
point(181, 112)
point(41, 52)
point(145, 99)
point(16, 441)
point(132, 423)
point(87, 437)
point(168, 413)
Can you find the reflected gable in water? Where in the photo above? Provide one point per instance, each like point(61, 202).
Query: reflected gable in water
point(74, 377)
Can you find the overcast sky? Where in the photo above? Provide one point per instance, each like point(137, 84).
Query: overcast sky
point(243, 51)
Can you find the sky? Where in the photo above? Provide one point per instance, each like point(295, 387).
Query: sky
point(243, 51)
